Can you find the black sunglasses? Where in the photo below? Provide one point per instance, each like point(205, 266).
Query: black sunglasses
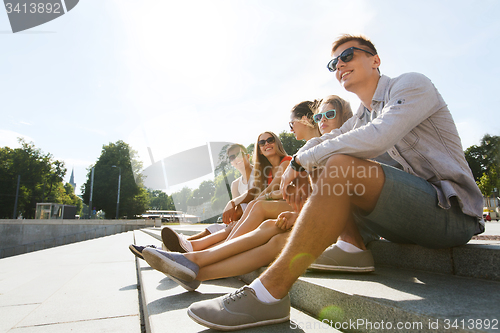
point(233, 157)
point(268, 140)
point(345, 56)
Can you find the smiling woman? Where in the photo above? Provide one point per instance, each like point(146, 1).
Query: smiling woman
point(267, 159)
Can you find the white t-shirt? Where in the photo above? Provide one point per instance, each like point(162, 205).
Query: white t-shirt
point(242, 187)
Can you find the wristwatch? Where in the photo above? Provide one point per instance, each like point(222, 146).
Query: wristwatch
point(296, 166)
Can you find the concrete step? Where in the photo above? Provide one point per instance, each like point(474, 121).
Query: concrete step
point(165, 303)
point(412, 285)
point(477, 259)
point(419, 301)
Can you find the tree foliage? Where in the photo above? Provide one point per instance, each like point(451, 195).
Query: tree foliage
point(159, 200)
point(484, 161)
point(41, 180)
point(291, 144)
point(203, 193)
point(181, 197)
point(133, 197)
point(220, 196)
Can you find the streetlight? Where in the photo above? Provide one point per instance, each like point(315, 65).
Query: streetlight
point(119, 183)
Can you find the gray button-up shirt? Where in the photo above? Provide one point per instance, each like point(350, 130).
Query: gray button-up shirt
point(411, 122)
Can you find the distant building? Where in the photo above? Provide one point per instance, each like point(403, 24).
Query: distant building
point(72, 180)
point(54, 211)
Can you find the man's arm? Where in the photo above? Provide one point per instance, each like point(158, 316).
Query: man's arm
point(413, 98)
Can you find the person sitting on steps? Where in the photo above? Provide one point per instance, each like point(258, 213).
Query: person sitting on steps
point(424, 193)
point(242, 193)
point(259, 247)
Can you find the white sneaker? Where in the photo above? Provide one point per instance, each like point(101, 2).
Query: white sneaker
point(175, 242)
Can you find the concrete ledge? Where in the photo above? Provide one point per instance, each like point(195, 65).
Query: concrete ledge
point(471, 260)
point(415, 298)
point(141, 222)
point(23, 236)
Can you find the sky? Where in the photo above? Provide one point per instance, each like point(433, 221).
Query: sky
point(174, 75)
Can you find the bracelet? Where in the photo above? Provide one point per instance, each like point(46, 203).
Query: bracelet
point(296, 166)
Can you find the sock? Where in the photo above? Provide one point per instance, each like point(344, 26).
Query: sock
point(348, 247)
point(261, 292)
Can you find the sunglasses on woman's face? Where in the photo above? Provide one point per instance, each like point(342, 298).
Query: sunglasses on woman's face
point(345, 56)
point(233, 157)
point(268, 140)
point(330, 114)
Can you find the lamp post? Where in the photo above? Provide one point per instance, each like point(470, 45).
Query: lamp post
point(119, 183)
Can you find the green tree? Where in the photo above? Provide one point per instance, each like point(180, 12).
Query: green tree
point(290, 144)
point(484, 161)
point(117, 158)
point(180, 199)
point(159, 200)
point(40, 176)
point(489, 182)
point(65, 195)
point(203, 193)
point(473, 155)
point(221, 195)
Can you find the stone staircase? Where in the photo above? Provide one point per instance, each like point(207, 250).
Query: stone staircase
point(413, 289)
point(99, 286)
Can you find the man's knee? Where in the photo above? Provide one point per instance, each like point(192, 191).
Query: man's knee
point(344, 167)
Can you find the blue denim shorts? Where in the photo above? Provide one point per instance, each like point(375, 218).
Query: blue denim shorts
point(407, 212)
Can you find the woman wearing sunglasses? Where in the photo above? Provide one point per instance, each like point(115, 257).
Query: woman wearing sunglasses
point(238, 156)
point(260, 246)
point(269, 161)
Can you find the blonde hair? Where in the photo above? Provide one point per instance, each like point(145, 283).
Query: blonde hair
point(342, 107)
point(261, 164)
point(237, 145)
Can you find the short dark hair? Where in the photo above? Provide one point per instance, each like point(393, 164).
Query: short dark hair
point(362, 40)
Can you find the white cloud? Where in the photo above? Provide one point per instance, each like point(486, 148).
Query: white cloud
point(9, 138)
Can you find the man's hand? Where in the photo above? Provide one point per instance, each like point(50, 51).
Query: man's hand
point(298, 191)
point(288, 176)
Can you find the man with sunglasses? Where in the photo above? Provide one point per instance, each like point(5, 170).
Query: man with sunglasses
point(396, 168)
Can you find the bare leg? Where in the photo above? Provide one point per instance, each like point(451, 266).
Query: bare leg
point(245, 262)
point(324, 217)
point(350, 234)
point(199, 235)
point(206, 242)
point(261, 211)
point(253, 239)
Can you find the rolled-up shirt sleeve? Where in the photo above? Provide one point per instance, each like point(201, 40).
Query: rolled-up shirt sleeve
point(412, 98)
